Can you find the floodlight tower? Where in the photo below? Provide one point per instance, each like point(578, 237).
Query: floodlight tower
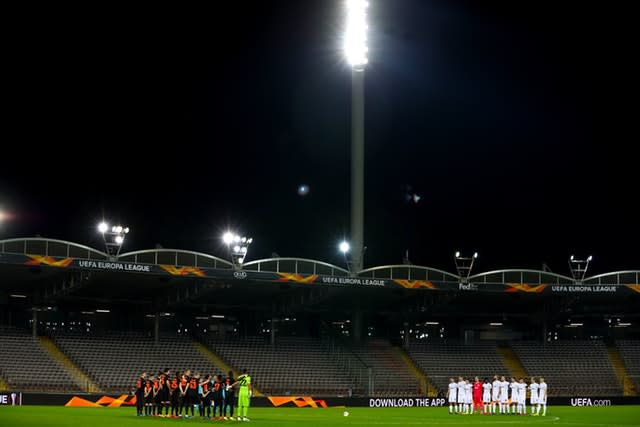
point(464, 265)
point(113, 238)
point(238, 247)
point(355, 49)
point(579, 267)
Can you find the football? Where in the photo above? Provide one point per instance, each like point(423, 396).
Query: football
point(345, 413)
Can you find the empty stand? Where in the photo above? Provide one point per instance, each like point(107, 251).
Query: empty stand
point(391, 374)
point(294, 365)
point(630, 353)
point(26, 366)
point(114, 361)
point(575, 368)
point(441, 361)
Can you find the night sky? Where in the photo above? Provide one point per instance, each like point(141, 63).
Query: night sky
point(516, 123)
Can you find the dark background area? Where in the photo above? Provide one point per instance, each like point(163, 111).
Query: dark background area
point(514, 121)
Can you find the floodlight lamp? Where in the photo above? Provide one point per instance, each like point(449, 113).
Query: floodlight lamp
point(236, 248)
point(236, 238)
point(103, 227)
point(126, 230)
point(119, 239)
point(249, 240)
point(113, 229)
point(344, 247)
point(240, 260)
point(571, 258)
point(355, 38)
point(243, 249)
point(590, 258)
point(119, 229)
point(227, 237)
point(243, 240)
point(475, 254)
point(458, 254)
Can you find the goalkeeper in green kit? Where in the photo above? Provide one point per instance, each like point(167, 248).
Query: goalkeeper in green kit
point(245, 393)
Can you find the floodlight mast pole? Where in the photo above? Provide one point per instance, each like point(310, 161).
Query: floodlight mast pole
point(356, 53)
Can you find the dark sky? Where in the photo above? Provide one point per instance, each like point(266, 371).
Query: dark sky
point(516, 122)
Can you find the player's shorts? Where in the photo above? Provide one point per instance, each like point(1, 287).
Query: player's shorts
point(460, 399)
point(453, 400)
point(486, 398)
point(504, 399)
point(243, 398)
point(534, 400)
point(542, 400)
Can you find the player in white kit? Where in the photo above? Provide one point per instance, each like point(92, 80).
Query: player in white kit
point(522, 397)
point(533, 388)
point(542, 397)
point(468, 397)
point(504, 396)
point(452, 394)
point(514, 395)
point(495, 393)
point(486, 396)
point(461, 395)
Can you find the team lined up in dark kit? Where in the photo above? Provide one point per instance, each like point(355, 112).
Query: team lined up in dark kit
point(183, 391)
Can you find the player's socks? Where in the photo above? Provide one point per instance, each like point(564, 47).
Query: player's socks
point(544, 409)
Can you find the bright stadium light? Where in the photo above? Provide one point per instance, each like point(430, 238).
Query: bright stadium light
point(355, 36)
point(344, 247)
point(579, 267)
point(464, 265)
point(113, 238)
point(227, 238)
point(238, 247)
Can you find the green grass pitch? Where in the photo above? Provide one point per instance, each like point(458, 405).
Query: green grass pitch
point(43, 416)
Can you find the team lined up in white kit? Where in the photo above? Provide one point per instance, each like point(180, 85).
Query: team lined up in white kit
point(487, 397)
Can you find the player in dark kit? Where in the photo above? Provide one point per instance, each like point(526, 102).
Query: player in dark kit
point(217, 397)
point(148, 398)
point(229, 395)
point(139, 393)
point(206, 397)
point(183, 387)
point(174, 396)
point(192, 394)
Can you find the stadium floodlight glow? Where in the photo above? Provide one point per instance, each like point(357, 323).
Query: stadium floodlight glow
point(464, 265)
point(344, 247)
point(17, 296)
point(495, 324)
point(355, 36)
point(579, 267)
point(113, 238)
point(227, 237)
point(240, 248)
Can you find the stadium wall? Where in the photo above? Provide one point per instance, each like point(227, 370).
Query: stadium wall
point(98, 400)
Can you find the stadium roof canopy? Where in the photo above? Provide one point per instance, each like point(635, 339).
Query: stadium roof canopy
point(57, 270)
